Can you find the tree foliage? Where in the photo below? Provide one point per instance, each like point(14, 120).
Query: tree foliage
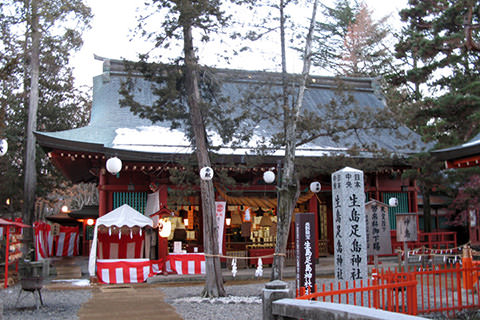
point(349, 42)
point(445, 73)
point(467, 199)
point(437, 85)
point(187, 97)
point(62, 23)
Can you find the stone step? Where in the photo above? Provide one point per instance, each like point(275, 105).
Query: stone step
point(69, 272)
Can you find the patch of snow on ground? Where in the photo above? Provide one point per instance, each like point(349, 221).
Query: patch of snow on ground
point(75, 282)
point(225, 300)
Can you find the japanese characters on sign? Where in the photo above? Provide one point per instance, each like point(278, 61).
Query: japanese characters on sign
point(378, 228)
point(350, 240)
point(406, 227)
point(304, 241)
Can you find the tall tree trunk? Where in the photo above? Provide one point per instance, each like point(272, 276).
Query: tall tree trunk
point(214, 279)
point(30, 174)
point(427, 216)
point(290, 186)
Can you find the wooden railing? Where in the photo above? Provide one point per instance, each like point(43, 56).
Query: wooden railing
point(443, 289)
point(374, 293)
point(431, 240)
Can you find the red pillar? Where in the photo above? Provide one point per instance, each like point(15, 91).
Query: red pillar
point(7, 250)
point(163, 195)
point(102, 193)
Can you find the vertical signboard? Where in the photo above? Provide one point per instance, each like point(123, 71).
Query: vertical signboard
point(406, 227)
point(220, 216)
point(350, 239)
point(378, 228)
point(305, 246)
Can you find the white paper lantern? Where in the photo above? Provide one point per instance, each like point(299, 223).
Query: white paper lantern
point(206, 173)
point(3, 147)
point(268, 176)
point(393, 202)
point(114, 165)
point(315, 187)
point(164, 228)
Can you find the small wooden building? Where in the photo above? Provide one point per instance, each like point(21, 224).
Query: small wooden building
point(150, 151)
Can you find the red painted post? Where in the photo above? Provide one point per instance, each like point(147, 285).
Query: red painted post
point(346, 287)
point(459, 285)
point(7, 252)
point(440, 295)
point(467, 268)
point(414, 296)
point(375, 292)
point(331, 289)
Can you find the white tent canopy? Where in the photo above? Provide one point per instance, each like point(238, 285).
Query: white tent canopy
point(122, 216)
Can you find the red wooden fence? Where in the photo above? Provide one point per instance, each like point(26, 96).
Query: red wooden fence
point(378, 294)
point(438, 289)
point(432, 240)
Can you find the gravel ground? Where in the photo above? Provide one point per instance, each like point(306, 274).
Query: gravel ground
point(58, 304)
point(244, 302)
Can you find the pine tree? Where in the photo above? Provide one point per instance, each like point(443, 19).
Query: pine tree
point(445, 72)
point(50, 24)
point(187, 98)
point(440, 79)
point(349, 43)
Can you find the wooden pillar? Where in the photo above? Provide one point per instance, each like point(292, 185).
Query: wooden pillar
point(102, 193)
point(163, 195)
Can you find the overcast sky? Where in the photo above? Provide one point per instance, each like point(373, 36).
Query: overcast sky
point(110, 36)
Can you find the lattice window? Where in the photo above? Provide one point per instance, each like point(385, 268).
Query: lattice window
point(401, 208)
point(136, 200)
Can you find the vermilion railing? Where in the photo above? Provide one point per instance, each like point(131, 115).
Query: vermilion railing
point(373, 293)
point(431, 240)
point(438, 289)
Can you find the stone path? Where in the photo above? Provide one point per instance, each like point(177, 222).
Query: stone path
point(127, 302)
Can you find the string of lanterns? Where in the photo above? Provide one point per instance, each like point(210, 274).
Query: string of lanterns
point(114, 166)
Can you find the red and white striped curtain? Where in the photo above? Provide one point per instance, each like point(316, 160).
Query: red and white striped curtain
point(127, 246)
point(123, 270)
point(43, 240)
point(67, 242)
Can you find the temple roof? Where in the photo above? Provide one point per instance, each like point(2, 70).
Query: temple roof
point(464, 155)
point(467, 149)
point(115, 130)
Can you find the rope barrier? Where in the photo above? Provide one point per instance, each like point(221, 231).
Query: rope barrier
point(424, 251)
point(246, 258)
point(445, 253)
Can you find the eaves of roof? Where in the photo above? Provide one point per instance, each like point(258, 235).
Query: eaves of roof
point(468, 149)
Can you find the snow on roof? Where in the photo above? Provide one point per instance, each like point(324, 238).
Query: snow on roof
point(114, 127)
point(159, 139)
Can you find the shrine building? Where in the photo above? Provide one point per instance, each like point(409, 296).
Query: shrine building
point(151, 152)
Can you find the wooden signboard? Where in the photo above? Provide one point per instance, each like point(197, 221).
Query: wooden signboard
point(378, 228)
point(304, 248)
point(407, 227)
